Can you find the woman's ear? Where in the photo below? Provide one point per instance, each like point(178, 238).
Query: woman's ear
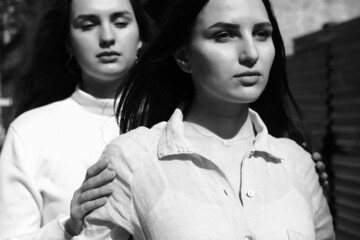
point(182, 61)
point(140, 44)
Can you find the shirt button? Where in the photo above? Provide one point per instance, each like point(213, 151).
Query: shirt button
point(248, 238)
point(250, 194)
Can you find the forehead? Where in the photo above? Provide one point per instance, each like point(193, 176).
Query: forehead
point(233, 11)
point(100, 6)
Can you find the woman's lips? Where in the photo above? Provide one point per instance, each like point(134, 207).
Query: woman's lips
point(108, 57)
point(248, 78)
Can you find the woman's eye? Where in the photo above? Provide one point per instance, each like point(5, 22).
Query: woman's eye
point(121, 24)
point(223, 36)
point(262, 35)
point(87, 26)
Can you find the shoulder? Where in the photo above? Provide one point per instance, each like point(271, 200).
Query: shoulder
point(40, 117)
point(28, 136)
point(135, 148)
point(287, 146)
point(37, 126)
point(292, 154)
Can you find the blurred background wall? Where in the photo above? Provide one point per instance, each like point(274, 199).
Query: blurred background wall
point(324, 76)
point(17, 17)
point(301, 17)
point(322, 39)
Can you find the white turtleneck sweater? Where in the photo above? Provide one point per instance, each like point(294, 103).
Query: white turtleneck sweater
point(44, 160)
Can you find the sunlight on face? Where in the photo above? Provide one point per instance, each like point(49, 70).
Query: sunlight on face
point(231, 51)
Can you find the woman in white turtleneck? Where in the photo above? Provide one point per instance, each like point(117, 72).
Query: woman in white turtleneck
point(44, 160)
point(65, 116)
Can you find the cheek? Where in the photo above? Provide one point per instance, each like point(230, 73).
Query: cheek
point(130, 47)
point(83, 46)
point(129, 40)
point(210, 62)
point(268, 58)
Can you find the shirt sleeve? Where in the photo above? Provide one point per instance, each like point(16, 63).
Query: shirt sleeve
point(20, 199)
point(112, 221)
point(323, 221)
point(322, 218)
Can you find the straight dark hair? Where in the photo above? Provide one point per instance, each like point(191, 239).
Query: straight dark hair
point(156, 85)
point(46, 75)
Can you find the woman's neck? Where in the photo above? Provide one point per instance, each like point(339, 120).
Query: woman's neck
point(224, 120)
point(100, 88)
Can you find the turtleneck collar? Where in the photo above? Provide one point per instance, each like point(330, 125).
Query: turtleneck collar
point(101, 106)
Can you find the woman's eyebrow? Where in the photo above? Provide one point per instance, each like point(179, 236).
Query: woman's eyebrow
point(225, 25)
point(263, 25)
point(85, 17)
point(116, 15)
point(234, 26)
point(94, 16)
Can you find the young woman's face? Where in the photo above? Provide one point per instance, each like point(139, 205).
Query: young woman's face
point(104, 36)
point(231, 51)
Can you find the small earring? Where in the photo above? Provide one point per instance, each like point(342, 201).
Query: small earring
point(187, 69)
point(184, 66)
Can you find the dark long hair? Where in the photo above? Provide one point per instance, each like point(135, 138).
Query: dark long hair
point(46, 75)
point(156, 85)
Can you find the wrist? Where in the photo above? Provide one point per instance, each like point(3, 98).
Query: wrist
point(69, 229)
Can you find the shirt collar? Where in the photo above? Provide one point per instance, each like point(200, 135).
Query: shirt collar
point(172, 139)
point(262, 139)
point(96, 105)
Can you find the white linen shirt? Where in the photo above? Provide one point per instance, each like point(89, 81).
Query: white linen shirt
point(164, 190)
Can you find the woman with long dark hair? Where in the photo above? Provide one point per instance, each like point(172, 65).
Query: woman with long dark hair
point(209, 154)
point(78, 55)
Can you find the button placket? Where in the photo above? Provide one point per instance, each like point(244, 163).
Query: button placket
point(246, 190)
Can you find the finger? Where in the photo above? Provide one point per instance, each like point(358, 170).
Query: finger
point(316, 156)
point(324, 177)
point(320, 166)
point(102, 178)
point(90, 206)
point(97, 168)
point(96, 193)
point(73, 226)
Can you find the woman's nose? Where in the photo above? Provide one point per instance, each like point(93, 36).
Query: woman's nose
point(249, 53)
point(106, 37)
